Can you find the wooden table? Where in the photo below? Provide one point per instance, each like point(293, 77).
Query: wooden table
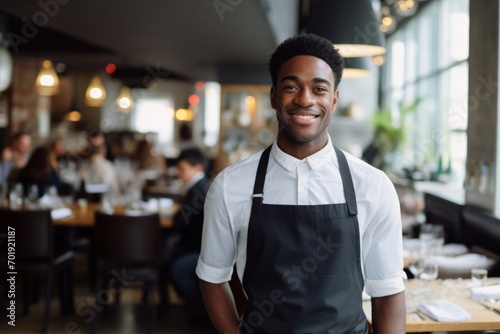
point(83, 216)
point(456, 291)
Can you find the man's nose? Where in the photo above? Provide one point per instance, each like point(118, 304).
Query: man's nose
point(304, 98)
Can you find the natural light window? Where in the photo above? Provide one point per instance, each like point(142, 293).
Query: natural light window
point(212, 113)
point(155, 115)
point(459, 29)
point(431, 64)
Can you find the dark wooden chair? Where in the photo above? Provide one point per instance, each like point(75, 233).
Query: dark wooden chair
point(34, 255)
point(127, 247)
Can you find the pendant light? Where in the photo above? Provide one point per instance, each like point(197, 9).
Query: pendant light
point(405, 7)
point(6, 65)
point(95, 93)
point(357, 67)
point(124, 102)
point(351, 26)
point(74, 114)
point(388, 22)
point(47, 82)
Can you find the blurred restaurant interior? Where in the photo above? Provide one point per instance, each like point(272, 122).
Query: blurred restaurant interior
point(169, 75)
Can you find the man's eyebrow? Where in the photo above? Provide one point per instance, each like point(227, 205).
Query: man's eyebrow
point(321, 80)
point(296, 79)
point(290, 77)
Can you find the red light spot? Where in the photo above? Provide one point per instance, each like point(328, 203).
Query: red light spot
point(194, 99)
point(199, 86)
point(110, 68)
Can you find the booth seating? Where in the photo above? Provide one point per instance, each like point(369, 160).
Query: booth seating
point(482, 235)
point(465, 228)
point(440, 211)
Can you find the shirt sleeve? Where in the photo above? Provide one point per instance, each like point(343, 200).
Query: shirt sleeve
point(218, 246)
point(383, 241)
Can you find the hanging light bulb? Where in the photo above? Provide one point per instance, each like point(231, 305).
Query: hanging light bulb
point(6, 65)
point(184, 114)
point(95, 94)
point(74, 114)
point(47, 82)
point(124, 102)
point(378, 60)
point(405, 7)
point(388, 21)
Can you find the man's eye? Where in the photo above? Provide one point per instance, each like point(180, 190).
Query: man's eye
point(321, 89)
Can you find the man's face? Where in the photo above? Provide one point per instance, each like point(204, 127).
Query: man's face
point(304, 99)
point(23, 144)
point(59, 148)
point(185, 171)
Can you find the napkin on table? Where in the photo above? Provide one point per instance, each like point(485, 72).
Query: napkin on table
point(96, 188)
point(136, 212)
point(61, 213)
point(443, 310)
point(485, 292)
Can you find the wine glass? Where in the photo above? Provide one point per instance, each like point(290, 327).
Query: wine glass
point(414, 263)
point(32, 197)
point(426, 237)
point(415, 267)
point(438, 234)
point(428, 273)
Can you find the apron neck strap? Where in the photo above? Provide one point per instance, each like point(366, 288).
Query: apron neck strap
point(258, 187)
point(345, 174)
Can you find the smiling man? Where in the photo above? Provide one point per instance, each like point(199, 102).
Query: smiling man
point(307, 225)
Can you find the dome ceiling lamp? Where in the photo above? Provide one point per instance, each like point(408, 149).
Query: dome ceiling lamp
point(357, 67)
point(47, 82)
point(351, 26)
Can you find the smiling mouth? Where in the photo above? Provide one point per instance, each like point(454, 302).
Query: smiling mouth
point(304, 116)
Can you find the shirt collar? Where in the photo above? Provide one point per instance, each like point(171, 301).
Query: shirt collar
point(314, 161)
point(197, 177)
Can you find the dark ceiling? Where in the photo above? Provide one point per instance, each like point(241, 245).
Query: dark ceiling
point(189, 39)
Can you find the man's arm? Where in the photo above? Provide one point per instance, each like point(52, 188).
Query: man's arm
point(389, 314)
point(221, 307)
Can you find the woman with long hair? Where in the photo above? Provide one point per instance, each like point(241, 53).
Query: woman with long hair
point(41, 172)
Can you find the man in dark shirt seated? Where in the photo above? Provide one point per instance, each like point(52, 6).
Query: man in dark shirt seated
point(188, 225)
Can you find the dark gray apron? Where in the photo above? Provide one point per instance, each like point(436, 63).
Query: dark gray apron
point(303, 272)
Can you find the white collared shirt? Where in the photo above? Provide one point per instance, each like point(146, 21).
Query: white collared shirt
point(314, 180)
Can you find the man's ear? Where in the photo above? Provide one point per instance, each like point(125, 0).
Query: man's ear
point(335, 100)
point(272, 97)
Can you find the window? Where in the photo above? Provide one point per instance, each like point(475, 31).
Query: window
point(155, 115)
point(428, 60)
point(212, 113)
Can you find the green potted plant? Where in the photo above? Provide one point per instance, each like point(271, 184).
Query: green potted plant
point(388, 134)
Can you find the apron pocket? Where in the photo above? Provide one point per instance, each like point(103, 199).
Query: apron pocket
point(337, 244)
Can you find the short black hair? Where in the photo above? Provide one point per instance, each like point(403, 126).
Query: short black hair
point(193, 156)
point(307, 44)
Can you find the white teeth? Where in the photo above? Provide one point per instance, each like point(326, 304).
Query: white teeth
point(304, 116)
